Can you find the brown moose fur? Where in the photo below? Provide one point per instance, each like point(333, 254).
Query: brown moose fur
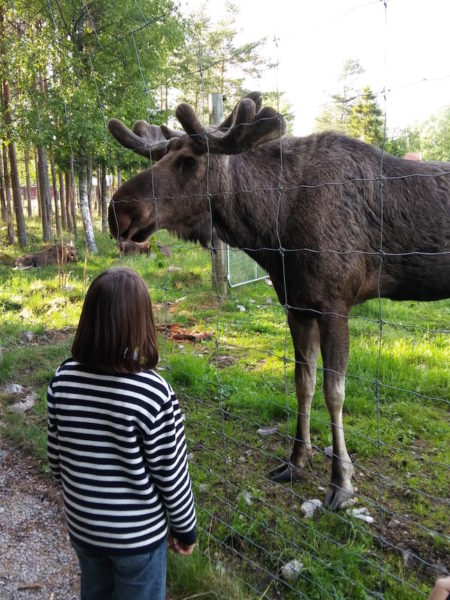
point(331, 219)
point(51, 255)
point(129, 247)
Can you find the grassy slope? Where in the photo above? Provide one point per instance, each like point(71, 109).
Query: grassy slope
point(241, 379)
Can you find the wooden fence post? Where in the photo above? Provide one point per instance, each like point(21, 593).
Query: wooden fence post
point(219, 254)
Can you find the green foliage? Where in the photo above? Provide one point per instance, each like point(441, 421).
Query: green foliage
point(75, 64)
point(366, 119)
point(435, 137)
point(402, 141)
point(212, 62)
point(353, 111)
point(336, 116)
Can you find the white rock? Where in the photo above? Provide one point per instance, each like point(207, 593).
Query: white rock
point(267, 430)
point(360, 513)
point(24, 405)
point(328, 451)
point(14, 388)
point(309, 507)
point(241, 308)
point(292, 569)
point(247, 497)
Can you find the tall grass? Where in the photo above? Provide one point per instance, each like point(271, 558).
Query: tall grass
point(241, 379)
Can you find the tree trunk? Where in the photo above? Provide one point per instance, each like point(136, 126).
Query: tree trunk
point(14, 171)
point(98, 192)
point(17, 196)
point(103, 200)
point(84, 203)
point(55, 197)
point(62, 200)
point(67, 206)
point(44, 187)
point(38, 191)
point(8, 195)
point(4, 211)
point(28, 180)
point(89, 184)
point(73, 212)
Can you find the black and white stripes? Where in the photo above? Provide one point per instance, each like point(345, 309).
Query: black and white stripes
point(116, 443)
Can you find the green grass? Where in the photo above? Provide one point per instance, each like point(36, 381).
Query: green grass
point(240, 379)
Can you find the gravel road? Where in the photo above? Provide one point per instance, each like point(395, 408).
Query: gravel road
point(36, 559)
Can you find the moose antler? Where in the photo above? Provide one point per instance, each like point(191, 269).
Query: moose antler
point(257, 99)
point(247, 126)
point(147, 140)
point(242, 130)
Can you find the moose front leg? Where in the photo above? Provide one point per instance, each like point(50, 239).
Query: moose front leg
point(334, 343)
point(305, 336)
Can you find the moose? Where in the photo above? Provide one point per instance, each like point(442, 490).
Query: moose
point(333, 220)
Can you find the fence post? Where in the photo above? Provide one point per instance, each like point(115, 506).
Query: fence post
point(219, 254)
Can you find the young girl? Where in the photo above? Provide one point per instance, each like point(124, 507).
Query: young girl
point(116, 444)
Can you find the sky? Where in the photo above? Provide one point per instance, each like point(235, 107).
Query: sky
point(403, 46)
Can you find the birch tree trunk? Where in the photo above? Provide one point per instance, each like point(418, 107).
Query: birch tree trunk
point(84, 204)
point(62, 200)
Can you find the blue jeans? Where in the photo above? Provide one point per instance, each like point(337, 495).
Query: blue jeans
point(112, 577)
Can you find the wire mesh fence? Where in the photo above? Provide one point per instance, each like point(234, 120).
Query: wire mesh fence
point(233, 365)
point(241, 269)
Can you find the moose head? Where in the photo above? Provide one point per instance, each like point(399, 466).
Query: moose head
point(189, 168)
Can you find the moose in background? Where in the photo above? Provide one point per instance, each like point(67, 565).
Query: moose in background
point(334, 221)
point(56, 254)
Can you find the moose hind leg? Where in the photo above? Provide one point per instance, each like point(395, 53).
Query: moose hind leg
point(334, 348)
point(305, 335)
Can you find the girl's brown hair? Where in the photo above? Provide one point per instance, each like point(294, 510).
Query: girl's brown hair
point(116, 332)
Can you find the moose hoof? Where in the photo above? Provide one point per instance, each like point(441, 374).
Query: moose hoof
point(336, 496)
point(285, 472)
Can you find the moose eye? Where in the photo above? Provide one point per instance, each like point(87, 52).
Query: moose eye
point(186, 163)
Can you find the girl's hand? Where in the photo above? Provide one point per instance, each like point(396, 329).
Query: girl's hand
point(441, 590)
point(178, 547)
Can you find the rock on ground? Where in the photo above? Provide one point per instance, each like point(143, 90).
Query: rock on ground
point(37, 561)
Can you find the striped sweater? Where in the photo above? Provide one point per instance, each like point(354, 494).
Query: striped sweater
point(116, 444)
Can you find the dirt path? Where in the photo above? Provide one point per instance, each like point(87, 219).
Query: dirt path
point(36, 559)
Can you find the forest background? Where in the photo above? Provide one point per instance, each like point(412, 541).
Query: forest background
point(67, 67)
